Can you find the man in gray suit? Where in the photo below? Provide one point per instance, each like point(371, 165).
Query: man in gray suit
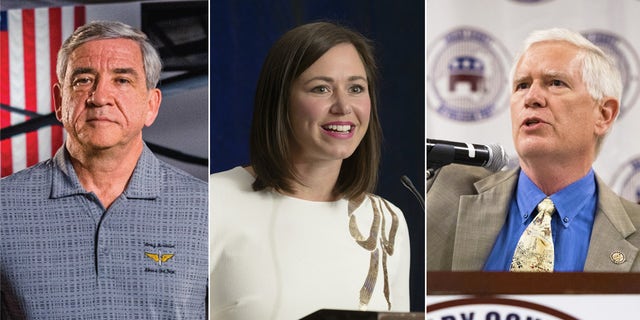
point(565, 97)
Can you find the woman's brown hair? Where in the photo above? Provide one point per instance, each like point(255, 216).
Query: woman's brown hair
point(271, 128)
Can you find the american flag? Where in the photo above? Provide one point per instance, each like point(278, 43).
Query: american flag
point(29, 43)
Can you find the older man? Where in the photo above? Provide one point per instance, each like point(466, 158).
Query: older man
point(104, 230)
point(553, 213)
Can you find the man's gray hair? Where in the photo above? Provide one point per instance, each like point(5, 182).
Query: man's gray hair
point(101, 30)
point(599, 72)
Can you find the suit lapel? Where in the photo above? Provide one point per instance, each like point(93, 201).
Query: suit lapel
point(480, 218)
point(608, 242)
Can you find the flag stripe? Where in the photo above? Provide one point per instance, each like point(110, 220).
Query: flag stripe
point(16, 72)
point(68, 15)
point(30, 84)
point(5, 98)
point(79, 16)
point(55, 42)
point(29, 43)
point(43, 91)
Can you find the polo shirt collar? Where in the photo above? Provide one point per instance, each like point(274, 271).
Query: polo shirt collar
point(65, 182)
point(145, 181)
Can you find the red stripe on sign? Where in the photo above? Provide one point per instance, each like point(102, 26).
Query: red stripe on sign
point(5, 98)
point(55, 42)
point(30, 81)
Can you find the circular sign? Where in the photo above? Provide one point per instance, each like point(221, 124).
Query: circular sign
point(467, 75)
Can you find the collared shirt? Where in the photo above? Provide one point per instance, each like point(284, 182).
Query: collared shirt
point(571, 224)
point(64, 256)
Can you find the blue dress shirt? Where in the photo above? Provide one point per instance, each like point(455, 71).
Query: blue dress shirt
point(571, 224)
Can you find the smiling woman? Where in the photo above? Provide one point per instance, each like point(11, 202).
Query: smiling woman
point(300, 56)
point(302, 218)
point(330, 108)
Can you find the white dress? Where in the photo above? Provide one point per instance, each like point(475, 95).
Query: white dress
point(278, 257)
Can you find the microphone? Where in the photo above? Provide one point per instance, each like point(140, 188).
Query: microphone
point(441, 153)
point(406, 182)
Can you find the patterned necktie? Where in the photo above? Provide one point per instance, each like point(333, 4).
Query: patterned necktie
point(534, 252)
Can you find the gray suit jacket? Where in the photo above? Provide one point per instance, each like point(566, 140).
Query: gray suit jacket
point(467, 207)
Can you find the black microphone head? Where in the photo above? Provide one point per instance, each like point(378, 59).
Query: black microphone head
point(406, 181)
point(498, 158)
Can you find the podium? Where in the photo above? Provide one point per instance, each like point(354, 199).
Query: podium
point(528, 295)
point(494, 283)
point(332, 314)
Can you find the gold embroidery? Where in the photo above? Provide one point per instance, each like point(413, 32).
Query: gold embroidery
point(370, 242)
point(355, 203)
point(159, 257)
point(388, 244)
point(386, 279)
point(377, 231)
point(370, 282)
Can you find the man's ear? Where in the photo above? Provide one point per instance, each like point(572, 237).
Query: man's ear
point(56, 91)
point(607, 113)
point(153, 104)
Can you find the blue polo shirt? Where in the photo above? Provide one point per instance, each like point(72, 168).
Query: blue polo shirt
point(571, 224)
point(64, 256)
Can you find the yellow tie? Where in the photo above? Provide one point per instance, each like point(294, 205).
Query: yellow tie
point(534, 252)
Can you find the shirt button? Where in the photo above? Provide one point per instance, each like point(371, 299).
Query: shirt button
point(566, 220)
point(526, 216)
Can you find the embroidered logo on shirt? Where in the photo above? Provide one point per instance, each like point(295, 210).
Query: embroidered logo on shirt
point(159, 257)
point(160, 254)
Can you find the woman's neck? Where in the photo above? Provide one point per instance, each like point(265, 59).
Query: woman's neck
point(316, 181)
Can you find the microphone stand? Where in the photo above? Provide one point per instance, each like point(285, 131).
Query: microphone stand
point(406, 182)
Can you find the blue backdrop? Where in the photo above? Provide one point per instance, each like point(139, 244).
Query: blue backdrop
point(243, 32)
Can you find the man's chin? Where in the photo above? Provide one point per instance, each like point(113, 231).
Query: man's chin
point(98, 144)
point(533, 149)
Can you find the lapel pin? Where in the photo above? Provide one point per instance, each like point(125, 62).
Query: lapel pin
point(617, 257)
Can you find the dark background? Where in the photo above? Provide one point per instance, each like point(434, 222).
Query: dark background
point(243, 32)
